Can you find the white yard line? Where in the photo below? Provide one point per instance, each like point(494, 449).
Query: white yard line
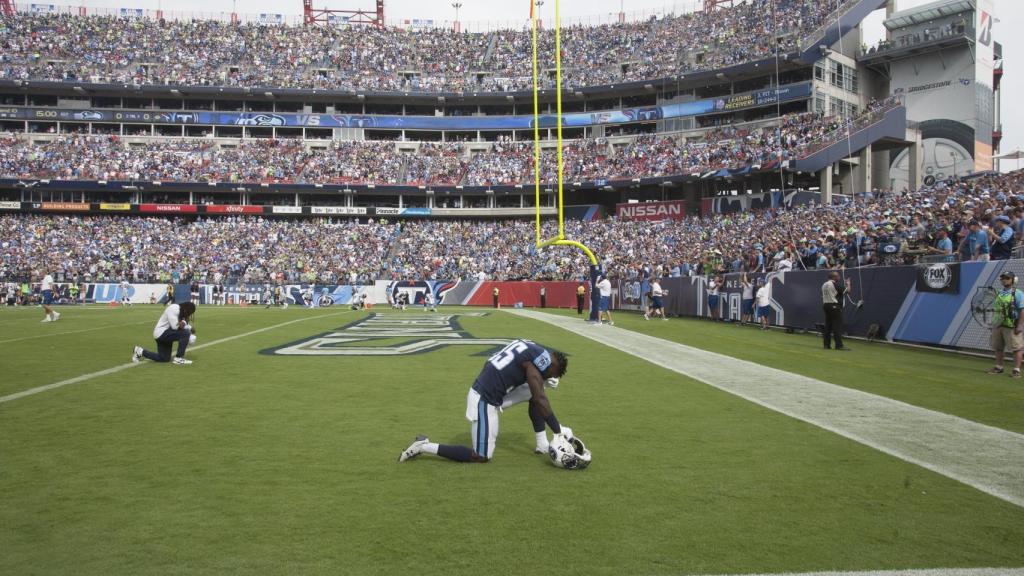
point(919, 572)
point(90, 376)
point(984, 457)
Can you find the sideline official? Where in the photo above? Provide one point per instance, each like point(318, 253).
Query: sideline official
point(832, 293)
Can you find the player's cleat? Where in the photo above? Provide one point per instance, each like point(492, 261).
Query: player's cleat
point(182, 361)
point(136, 354)
point(414, 449)
point(47, 319)
point(541, 449)
point(56, 316)
point(646, 317)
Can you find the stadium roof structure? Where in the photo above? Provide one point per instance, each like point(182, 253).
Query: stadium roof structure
point(923, 14)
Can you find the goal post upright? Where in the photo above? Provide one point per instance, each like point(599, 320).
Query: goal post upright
point(559, 240)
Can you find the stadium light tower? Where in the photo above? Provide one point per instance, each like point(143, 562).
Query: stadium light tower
point(712, 5)
point(326, 16)
point(458, 26)
point(6, 8)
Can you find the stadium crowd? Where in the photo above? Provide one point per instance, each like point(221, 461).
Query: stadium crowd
point(974, 219)
point(127, 50)
point(215, 250)
point(110, 157)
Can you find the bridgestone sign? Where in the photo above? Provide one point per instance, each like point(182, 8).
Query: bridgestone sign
point(671, 210)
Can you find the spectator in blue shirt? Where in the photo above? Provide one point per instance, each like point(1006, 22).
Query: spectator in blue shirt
point(851, 251)
point(1001, 236)
point(975, 244)
point(812, 251)
point(943, 245)
point(737, 264)
point(1018, 222)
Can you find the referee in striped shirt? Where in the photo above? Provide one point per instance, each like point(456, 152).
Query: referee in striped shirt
point(832, 293)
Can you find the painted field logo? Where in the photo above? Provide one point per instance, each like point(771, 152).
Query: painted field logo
point(390, 334)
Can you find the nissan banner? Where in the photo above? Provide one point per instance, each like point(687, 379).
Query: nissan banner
point(671, 210)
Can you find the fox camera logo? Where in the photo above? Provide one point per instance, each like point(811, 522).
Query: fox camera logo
point(938, 276)
point(390, 334)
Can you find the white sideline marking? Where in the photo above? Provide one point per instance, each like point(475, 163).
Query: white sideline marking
point(985, 457)
point(919, 572)
point(90, 376)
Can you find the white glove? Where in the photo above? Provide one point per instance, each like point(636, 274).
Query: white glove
point(566, 433)
point(551, 383)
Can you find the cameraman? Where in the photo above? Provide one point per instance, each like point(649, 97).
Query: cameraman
point(172, 327)
point(832, 293)
point(1007, 327)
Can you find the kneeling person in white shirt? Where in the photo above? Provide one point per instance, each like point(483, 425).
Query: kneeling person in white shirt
point(172, 327)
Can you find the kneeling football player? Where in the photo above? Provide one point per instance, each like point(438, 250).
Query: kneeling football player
point(521, 364)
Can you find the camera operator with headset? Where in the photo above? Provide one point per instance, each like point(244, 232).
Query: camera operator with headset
point(832, 293)
point(1007, 328)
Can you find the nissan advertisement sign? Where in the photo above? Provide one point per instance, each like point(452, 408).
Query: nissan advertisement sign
point(671, 210)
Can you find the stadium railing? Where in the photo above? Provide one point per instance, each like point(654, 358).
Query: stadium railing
point(819, 33)
point(858, 123)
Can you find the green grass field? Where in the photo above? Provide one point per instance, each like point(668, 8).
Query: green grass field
point(250, 463)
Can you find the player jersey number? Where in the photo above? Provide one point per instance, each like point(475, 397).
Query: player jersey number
point(502, 359)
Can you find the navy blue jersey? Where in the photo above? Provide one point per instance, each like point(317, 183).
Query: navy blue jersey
point(504, 371)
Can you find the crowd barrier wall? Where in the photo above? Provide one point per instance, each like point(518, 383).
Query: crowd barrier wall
point(937, 304)
point(560, 294)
